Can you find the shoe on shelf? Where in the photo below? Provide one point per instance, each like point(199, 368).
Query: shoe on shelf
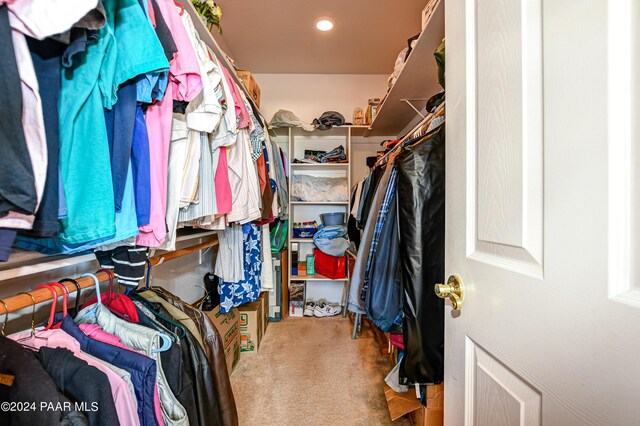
point(325, 309)
point(308, 308)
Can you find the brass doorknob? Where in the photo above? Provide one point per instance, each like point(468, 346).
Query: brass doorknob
point(452, 290)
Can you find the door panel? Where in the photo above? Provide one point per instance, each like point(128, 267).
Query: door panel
point(502, 397)
point(624, 154)
point(543, 194)
point(505, 162)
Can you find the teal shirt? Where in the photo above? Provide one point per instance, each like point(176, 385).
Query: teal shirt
point(124, 48)
point(139, 50)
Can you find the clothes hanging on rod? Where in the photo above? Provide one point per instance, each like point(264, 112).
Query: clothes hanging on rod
point(153, 134)
point(151, 367)
point(400, 258)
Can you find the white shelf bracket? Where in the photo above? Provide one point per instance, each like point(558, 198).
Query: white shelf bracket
point(408, 101)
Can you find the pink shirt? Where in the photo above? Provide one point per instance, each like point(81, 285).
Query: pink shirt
point(223, 188)
point(122, 397)
point(95, 332)
point(184, 85)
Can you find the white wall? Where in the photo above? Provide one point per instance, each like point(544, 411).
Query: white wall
point(309, 95)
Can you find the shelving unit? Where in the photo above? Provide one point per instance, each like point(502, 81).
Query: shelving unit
point(417, 82)
point(301, 211)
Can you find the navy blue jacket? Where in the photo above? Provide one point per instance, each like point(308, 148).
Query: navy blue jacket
point(143, 370)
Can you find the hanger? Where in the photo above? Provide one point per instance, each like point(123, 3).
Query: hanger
point(182, 332)
point(166, 340)
point(78, 292)
point(6, 316)
point(93, 311)
point(119, 304)
point(166, 343)
point(32, 336)
point(180, 6)
point(52, 312)
point(65, 297)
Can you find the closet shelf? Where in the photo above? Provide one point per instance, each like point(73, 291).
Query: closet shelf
point(323, 166)
point(417, 82)
point(320, 203)
point(316, 277)
point(301, 240)
point(333, 131)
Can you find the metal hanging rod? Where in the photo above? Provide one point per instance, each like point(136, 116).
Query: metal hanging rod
point(21, 301)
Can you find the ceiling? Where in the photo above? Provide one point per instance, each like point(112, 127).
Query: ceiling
point(279, 36)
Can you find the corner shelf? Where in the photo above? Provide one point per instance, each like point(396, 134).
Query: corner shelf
point(418, 80)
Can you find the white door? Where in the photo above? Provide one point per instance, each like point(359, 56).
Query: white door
point(543, 212)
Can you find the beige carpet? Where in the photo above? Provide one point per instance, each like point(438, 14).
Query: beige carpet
point(309, 372)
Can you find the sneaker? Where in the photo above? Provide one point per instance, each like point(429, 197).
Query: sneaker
point(325, 309)
point(308, 308)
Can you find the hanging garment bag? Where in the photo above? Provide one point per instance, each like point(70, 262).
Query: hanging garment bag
point(420, 194)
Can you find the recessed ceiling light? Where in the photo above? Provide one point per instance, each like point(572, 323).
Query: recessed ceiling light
point(324, 24)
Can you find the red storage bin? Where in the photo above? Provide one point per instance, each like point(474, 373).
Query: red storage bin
point(330, 266)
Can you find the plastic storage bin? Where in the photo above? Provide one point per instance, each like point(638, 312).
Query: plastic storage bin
point(332, 218)
point(331, 267)
point(304, 232)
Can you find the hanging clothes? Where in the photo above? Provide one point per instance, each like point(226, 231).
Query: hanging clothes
point(122, 400)
point(224, 405)
point(146, 341)
point(185, 84)
point(384, 298)
point(143, 370)
point(82, 383)
point(421, 198)
point(356, 303)
point(32, 385)
point(247, 289)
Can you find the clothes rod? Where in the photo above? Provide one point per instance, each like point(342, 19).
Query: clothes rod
point(21, 301)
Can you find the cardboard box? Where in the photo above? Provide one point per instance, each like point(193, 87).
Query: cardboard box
point(433, 413)
point(296, 298)
point(229, 327)
point(251, 85)
point(264, 299)
point(400, 404)
point(251, 327)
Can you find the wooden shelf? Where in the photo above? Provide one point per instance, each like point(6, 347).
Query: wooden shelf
point(315, 277)
point(417, 80)
point(320, 203)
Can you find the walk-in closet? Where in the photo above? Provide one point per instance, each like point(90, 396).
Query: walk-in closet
point(364, 212)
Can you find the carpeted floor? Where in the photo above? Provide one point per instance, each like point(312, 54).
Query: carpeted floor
point(309, 372)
